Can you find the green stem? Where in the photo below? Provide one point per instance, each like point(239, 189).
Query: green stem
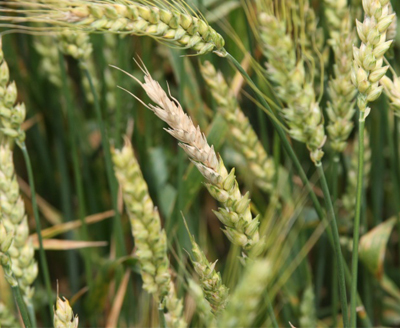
point(334, 294)
point(336, 243)
point(21, 306)
point(76, 167)
point(31, 311)
point(335, 168)
point(43, 260)
point(271, 311)
point(119, 234)
point(161, 317)
point(356, 233)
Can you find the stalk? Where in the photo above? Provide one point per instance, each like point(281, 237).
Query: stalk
point(119, 235)
point(291, 153)
point(335, 282)
point(21, 305)
point(336, 243)
point(356, 233)
point(31, 311)
point(271, 311)
point(43, 260)
point(161, 317)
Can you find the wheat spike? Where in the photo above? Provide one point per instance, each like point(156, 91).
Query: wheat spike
point(7, 319)
point(202, 305)
point(341, 91)
point(150, 238)
point(293, 86)
point(240, 227)
point(63, 315)
point(215, 292)
point(161, 20)
point(243, 135)
point(244, 303)
point(18, 256)
point(368, 66)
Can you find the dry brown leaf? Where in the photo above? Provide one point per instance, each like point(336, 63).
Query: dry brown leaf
point(63, 245)
point(112, 320)
point(67, 226)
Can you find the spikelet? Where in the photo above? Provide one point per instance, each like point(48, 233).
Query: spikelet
point(63, 315)
point(19, 254)
point(77, 45)
point(392, 29)
point(368, 66)
point(240, 227)
point(243, 136)
point(174, 315)
point(150, 238)
point(243, 306)
point(311, 38)
point(11, 115)
point(46, 46)
point(341, 90)
point(202, 306)
point(215, 292)
point(308, 316)
point(7, 319)
point(168, 23)
point(392, 91)
point(293, 86)
point(110, 53)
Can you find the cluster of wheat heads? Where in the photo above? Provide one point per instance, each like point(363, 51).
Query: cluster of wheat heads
point(288, 244)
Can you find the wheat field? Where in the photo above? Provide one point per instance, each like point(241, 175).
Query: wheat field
point(199, 163)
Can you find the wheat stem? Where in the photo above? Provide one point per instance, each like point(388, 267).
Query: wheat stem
point(63, 315)
point(336, 240)
point(270, 309)
point(356, 234)
point(43, 260)
point(21, 305)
